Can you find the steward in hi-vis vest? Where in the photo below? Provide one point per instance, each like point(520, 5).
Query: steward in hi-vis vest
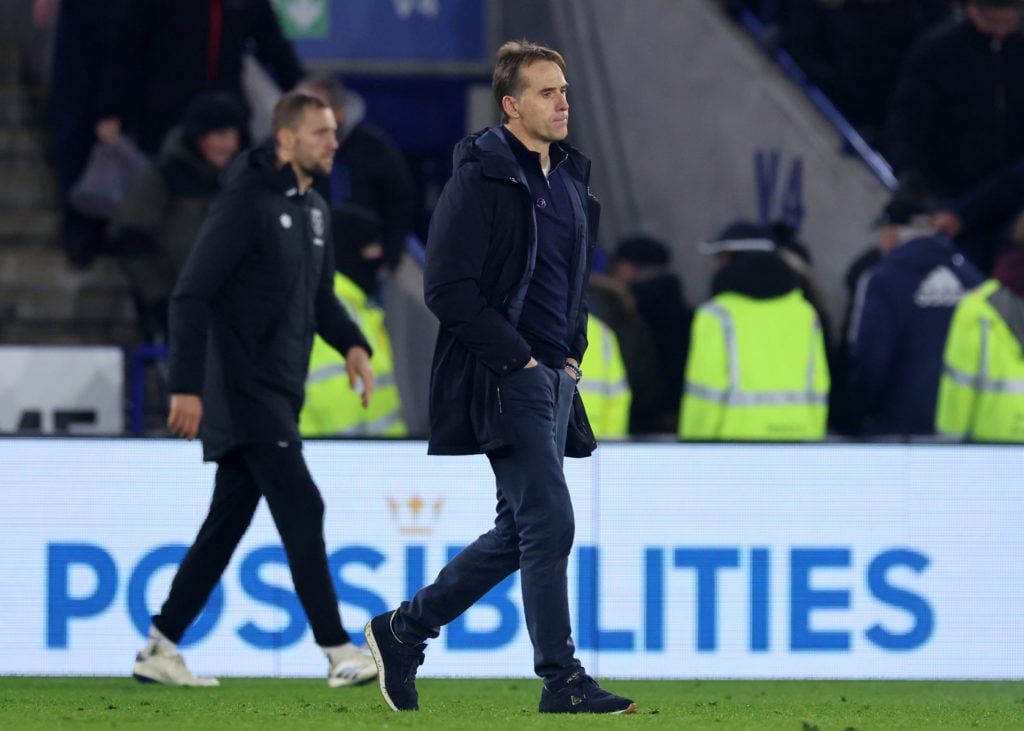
point(332, 408)
point(605, 390)
point(981, 394)
point(756, 368)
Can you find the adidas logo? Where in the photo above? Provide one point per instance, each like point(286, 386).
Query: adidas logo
point(940, 288)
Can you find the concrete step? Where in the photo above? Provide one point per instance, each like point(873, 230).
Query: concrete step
point(24, 144)
point(12, 64)
point(22, 107)
point(29, 227)
point(42, 300)
point(27, 186)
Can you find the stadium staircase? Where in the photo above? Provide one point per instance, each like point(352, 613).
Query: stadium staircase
point(43, 300)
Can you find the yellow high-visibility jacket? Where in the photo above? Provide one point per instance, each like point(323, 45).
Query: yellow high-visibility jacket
point(981, 394)
point(332, 408)
point(604, 388)
point(756, 371)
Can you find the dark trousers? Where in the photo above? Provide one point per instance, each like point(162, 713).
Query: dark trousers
point(533, 530)
point(243, 476)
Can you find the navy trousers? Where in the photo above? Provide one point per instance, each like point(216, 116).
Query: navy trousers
point(533, 530)
point(244, 476)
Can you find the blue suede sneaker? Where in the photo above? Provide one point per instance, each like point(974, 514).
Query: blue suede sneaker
point(581, 694)
point(397, 663)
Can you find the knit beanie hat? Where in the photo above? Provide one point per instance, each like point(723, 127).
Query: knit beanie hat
point(210, 111)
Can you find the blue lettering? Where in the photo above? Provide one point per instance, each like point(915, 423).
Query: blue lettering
point(138, 583)
point(759, 600)
point(499, 598)
point(654, 599)
point(281, 597)
point(707, 561)
point(803, 599)
point(590, 635)
point(365, 599)
point(415, 569)
point(792, 203)
point(61, 607)
point(766, 176)
point(913, 604)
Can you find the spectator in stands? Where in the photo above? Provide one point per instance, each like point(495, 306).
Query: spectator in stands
point(898, 325)
point(981, 394)
point(756, 368)
point(798, 256)
point(643, 264)
point(82, 44)
point(605, 390)
point(612, 300)
point(957, 113)
point(167, 51)
point(850, 49)
point(369, 172)
point(331, 407)
point(153, 231)
point(886, 239)
point(990, 206)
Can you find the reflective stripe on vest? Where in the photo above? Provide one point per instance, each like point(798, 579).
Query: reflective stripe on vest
point(980, 381)
point(334, 370)
point(376, 427)
point(732, 396)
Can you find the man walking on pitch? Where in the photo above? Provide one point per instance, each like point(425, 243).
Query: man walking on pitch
point(508, 257)
point(257, 284)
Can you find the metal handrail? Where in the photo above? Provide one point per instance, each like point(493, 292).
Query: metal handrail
point(853, 139)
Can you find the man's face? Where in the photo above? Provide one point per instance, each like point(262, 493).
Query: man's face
point(541, 113)
point(220, 146)
point(993, 21)
point(312, 145)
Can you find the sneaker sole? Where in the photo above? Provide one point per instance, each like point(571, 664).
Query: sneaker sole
point(371, 642)
point(351, 682)
point(146, 679)
point(631, 708)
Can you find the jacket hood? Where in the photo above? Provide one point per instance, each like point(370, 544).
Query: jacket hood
point(924, 254)
point(177, 147)
point(491, 149)
point(756, 274)
point(258, 165)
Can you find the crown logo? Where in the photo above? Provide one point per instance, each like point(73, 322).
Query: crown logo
point(415, 516)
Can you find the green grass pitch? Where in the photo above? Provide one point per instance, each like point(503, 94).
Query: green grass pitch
point(489, 705)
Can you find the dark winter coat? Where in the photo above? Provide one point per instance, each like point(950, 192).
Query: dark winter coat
point(481, 250)
point(378, 178)
point(898, 329)
point(162, 212)
point(957, 112)
point(162, 59)
point(256, 287)
point(994, 202)
point(850, 49)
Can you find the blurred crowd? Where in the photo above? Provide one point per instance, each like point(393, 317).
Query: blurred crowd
point(151, 101)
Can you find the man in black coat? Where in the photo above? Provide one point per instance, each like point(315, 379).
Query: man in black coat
point(370, 180)
point(256, 286)
point(167, 51)
point(508, 256)
point(957, 113)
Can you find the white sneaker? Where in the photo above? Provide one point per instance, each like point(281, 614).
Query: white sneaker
point(168, 668)
point(353, 667)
